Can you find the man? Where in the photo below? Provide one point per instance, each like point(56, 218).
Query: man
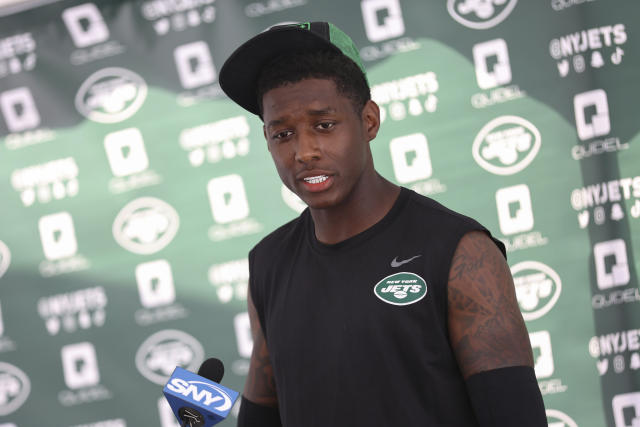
point(377, 306)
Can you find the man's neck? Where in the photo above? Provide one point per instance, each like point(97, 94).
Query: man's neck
point(363, 209)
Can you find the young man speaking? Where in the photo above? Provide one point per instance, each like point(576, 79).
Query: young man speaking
point(376, 306)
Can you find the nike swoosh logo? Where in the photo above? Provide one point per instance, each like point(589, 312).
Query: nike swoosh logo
point(396, 263)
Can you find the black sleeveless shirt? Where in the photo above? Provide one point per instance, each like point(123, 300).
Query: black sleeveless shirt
point(357, 331)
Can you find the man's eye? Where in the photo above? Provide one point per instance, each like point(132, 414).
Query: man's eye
point(282, 135)
point(326, 125)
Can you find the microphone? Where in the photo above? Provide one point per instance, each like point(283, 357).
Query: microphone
point(198, 400)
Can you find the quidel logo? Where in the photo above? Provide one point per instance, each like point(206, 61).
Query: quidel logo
point(155, 283)
point(80, 365)
point(392, 24)
point(159, 354)
point(592, 114)
point(14, 388)
point(491, 59)
point(626, 409)
point(111, 95)
point(559, 419)
point(146, 225)
point(194, 64)
point(538, 288)
point(515, 213)
point(410, 158)
point(228, 199)
point(543, 356)
point(401, 288)
point(5, 258)
point(506, 145)
point(612, 267)
point(85, 24)
point(125, 152)
point(19, 109)
point(480, 15)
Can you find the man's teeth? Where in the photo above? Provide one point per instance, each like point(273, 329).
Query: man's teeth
point(316, 179)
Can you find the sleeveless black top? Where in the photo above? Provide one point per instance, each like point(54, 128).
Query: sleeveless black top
point(353, 337)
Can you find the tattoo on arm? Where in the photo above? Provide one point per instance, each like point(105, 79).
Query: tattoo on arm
point(260, 386)
point(486, 328)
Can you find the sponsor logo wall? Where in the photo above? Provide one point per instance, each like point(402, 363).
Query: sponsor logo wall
point(133, 189)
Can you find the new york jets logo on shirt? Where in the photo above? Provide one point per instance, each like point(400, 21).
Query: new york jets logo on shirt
point(402, 288)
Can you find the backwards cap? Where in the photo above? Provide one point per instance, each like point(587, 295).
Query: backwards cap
point(239, 74)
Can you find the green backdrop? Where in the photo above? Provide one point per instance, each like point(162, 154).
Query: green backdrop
point(131, 188)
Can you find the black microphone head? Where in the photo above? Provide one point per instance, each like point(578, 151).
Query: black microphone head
point(212, 369)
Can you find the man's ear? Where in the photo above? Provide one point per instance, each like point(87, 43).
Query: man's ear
point(371, 119)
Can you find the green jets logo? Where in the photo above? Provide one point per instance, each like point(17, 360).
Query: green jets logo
point(401, 288)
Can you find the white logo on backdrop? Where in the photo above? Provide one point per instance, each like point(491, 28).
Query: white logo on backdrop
point(82, 309)
point(292, 200)
point(599, 123)
point(160, 353)
point(19, 109)
point(146, 225)
point(126, 152)
point(382, 19)
point(629, 402)
point(5, 258)
point(43, 182)
point(58, 236)
point(85, 24)
point(244, 340)
point(229, 278)
point(480, 14)
point(111, 95)
point(535, 282)
point(543, 364)
point(80, 365)
point(155, 283)
point(615, 273)
point(14, 388)
point(557, 418)
point(410, 158)
point(228, 199)
point(167, 417)
point(515, 213)
point(194, 64)
point(492, 64)
point(506, 145)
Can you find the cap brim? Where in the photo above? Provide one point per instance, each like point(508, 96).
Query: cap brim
point(239, 74)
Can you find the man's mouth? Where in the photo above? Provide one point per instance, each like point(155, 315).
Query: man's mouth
point(316, 179)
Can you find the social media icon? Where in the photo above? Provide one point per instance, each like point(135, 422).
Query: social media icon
point(515, 213)
point(228, 199)
point(244, 339)
point(410, 158)
point(492, 65)
point(57, 236)
point(382, 19)
point(19, 109)
point(126, 152)
point(626, 409)
point(80, 365)
point(155, 283)
point(85, 24)
point(195, 65)
point(612, 267)
point(543, 356)
point(592, 114)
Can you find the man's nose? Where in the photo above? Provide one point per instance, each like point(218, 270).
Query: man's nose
point(307, 148)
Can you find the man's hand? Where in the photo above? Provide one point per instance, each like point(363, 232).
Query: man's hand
point(486, 328)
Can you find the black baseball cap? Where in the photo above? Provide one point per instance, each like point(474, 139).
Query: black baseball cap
point(239, 74)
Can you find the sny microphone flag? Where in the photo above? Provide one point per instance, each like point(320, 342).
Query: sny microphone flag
point(197, 401)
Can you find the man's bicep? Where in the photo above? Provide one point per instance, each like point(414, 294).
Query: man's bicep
point(486, 328)
point(260, 385)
